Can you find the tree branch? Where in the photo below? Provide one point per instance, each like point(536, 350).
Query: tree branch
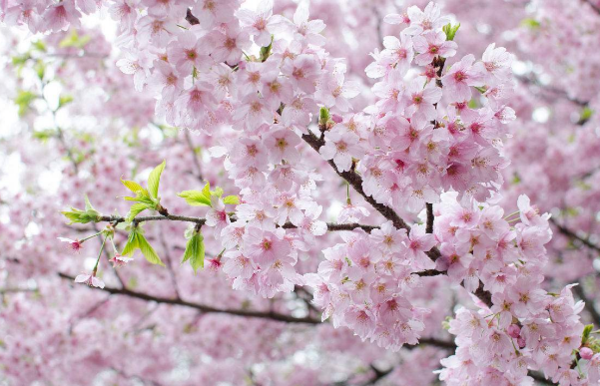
point(193, 20)
point(4, 291)
point(588, 303)
point(190, 145)
point(201, 221)
point(430, 218)
point(569, 233)
point(553, 90)
point(595, 7)
point(356, 182)
point(200, 307)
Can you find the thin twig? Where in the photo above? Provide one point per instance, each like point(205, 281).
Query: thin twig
point(202, 221)
point(163, 242)
point(190, 145)
point(201, 307)
point(589, 303)
point(571, 234)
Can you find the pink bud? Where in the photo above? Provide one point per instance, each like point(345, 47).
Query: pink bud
point(337, 118)
point(521, 342)
point(214, 264)
point(514, 331)
point(586, 353)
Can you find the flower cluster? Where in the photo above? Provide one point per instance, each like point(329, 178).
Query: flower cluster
point(432, 128)
point(366, 284)
point(526, 327)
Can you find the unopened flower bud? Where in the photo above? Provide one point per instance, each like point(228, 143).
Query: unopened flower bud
point(514, 331)
point(586, 353)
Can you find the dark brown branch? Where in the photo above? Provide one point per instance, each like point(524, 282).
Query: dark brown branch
point(430, 218)
point(201, 221)
point(430, 272)
point(378, 375)
point(571, 234)
point(356, 182)
point(4, 291)
point(552, 90)
point(137, 220)
point(594, 6)
point(540, 378)
point(193, 20)
point(589, 304)
point(201, 307)
point(172, 275)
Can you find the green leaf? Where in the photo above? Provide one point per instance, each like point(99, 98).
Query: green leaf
point(23, 100)
point(450, 30)
point(232, 200)
point(136, 209)
point(148, 251)
point(44, 135)
point(531, 23)
point(19, 61)
point(133, 186)
point(586, 114)
point(136, 240)
point(154, 180)
point(194, 251)
point(586, 333)
point(323, 116)
point(82, 216)
point(265, 52)
point(88, 204)
point(73, 40)
point(195, 198)
point(132, 243)
point(74, 216)
point(64, 100)
point(206, 190)
point(40, 69)
point(39, 45)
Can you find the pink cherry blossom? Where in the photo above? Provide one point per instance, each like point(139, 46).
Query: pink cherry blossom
point(90, 280)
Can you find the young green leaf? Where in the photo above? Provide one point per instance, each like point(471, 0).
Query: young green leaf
point(154, 180)
point(586, 333)
point(232, 200)
point(136, 240)
point(88, 205)
point(133, 186)
point(147, 250)
point(195, 198)
point(23, 100)
point(194, 251)
point(450, 31)
point(82, 216)
point(132, 243)
point(136, 209)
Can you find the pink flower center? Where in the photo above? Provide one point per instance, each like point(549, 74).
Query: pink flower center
point(281, 143)
point(266, 245)
point(341, 146)
point(260, 24)
point(230, 43)
point(460, 76)
point(191, 54)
